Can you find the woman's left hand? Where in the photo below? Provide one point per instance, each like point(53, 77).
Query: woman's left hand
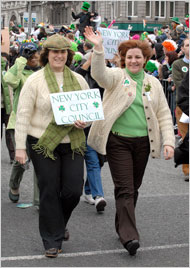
point(168, 152)
point(80, 124)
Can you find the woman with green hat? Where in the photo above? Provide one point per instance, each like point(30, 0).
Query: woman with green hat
point(174, 22)
point(55, 150)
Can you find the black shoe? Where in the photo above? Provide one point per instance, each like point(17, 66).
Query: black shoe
point(100, 203)
point(66, 235)
point(132, 246)
point(13, 197)
point(52, 252)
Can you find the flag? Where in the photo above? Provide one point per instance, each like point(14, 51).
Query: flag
point(144, 23)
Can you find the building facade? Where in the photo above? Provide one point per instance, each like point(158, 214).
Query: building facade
point(140, 15)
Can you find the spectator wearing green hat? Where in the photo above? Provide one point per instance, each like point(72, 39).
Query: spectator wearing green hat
point(174, 22)
point(84, 17)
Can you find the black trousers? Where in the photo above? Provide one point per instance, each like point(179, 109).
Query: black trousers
point(61, 184)
point(9, 142)
point(127, 158)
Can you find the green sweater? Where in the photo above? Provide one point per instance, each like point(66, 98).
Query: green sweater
point(5, 89)
point(16, 77)
point(132, 123)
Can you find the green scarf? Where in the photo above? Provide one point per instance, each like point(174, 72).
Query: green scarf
point(54, 133)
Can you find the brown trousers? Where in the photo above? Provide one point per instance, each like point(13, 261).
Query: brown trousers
point(127, 158)
point(183, 128)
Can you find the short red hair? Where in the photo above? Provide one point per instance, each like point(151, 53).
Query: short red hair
point(130, 44)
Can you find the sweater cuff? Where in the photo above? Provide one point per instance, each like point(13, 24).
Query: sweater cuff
point(98, 52)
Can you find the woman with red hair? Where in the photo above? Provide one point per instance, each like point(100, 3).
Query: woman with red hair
point(135, 111)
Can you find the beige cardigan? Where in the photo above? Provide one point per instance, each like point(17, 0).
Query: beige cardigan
point(34, 111)
point(118, 97)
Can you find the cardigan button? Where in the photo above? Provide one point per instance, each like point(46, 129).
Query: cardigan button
point(148, 118)
point(153, 157)
point(144, 94)
point(152, 151)
point(151, 141)
point(150, 129)
point(146, 107)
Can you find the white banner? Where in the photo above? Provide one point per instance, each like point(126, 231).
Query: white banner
point(84, 105)
point(111, 39)
point(26, 21)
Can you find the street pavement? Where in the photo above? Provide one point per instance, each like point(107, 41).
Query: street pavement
point(162, 216)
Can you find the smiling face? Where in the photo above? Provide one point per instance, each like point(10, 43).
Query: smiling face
point(134, 60)
point(185, 48)
point(57, 59)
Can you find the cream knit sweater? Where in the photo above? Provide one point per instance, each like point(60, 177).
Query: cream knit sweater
point(119, 96)
point(34, 111)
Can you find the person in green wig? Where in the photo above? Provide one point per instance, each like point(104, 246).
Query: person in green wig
point(56, 151)
point(84, 17)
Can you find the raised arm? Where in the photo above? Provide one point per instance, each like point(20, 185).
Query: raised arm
point(94, 38)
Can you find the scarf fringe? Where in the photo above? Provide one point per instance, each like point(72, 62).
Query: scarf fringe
point(81, 150)
point(40, 149)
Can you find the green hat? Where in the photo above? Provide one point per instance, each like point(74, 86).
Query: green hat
point(151, 66)
point(85, 6)
point(72, 27)
point(176, 20)
point(105, 24)
point(57, 42)
point(74, 46)
point(78, 56)
point(81, 37)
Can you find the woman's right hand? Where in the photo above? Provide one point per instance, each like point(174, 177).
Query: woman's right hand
point(21, 156)
point(95, 39)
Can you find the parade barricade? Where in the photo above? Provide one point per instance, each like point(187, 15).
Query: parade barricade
point(170, 96)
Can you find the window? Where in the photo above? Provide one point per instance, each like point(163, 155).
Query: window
point(129, 8)
point(132, 8)
point(160, 9)
point(135, 8)
point(172, 9)
point(148, 8)
point(186, 9)
point(157, 9)
point(2, 22)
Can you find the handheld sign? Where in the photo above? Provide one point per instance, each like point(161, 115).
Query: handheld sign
point(84, 105)
point(111, 39)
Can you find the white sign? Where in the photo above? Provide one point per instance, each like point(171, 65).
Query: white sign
point(25, 21)
point(84, 105)
point(33, 21)
point(111, 39)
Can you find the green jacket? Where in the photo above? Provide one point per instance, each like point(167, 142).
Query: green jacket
point(16, 77)
point(179, 70)
point(5, 88)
